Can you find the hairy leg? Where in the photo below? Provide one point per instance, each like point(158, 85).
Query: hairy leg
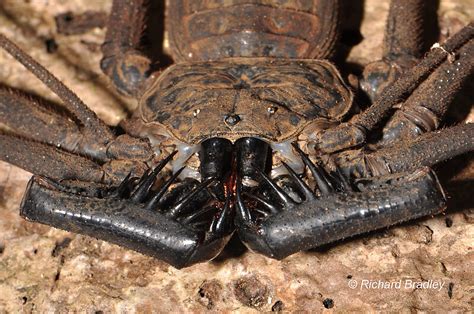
point(425, 109)
point(73, 135)
point(33, 118)
point(122, 61)
point(354, 132)
point(402, 47)
point(48, 161)
point(425, 150)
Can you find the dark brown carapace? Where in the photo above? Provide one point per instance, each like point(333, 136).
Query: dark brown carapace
point(213, 30)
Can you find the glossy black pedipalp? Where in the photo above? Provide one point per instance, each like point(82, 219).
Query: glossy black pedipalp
point(133, 216)
point(252, 156)
point(318, 221)
point(215, 158)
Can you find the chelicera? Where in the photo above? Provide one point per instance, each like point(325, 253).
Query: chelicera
point(252, 131)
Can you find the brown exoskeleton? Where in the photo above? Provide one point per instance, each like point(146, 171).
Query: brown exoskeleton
point(256, 126)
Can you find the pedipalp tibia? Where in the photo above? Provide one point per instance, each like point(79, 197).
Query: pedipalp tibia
point(328, 214)
point(134, 215)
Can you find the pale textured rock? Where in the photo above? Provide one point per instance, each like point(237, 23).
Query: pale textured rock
point(44, 269)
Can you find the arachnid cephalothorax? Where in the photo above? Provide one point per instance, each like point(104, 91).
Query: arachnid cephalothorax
point(252, 131)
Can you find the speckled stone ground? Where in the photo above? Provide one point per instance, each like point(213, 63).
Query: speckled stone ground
point(47, 270)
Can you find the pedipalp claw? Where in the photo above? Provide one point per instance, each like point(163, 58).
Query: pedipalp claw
point(308, 193)
point(180, 207)
point(243, 212)
point(272, 208)
point(148, 179)
point(156, 198)
point(221, 222)
point(322, 178)
point(284, 198)
point(124, 188)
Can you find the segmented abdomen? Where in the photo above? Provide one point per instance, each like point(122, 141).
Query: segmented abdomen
point(201, 30)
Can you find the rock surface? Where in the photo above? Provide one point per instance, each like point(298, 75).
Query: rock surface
point(44, 269)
